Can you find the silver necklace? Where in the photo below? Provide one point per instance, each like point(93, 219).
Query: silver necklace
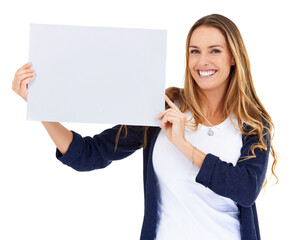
point(210, 131)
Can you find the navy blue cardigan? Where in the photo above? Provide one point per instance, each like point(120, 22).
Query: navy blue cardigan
point(241, 183)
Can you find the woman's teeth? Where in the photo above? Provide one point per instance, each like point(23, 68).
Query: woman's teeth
point(206, 73)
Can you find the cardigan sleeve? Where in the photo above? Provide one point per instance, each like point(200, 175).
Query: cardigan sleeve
point(242, 182)
point(89, 153)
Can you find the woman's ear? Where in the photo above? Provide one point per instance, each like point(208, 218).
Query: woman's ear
point(232, 61)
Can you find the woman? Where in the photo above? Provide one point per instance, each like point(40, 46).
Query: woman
point(205, 166)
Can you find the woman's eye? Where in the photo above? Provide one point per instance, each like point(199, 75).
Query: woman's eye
point(215, 51)
point(194, 51)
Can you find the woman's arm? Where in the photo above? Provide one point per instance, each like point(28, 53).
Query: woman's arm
point(61, 136)
point(241, 183)
point(89, 153)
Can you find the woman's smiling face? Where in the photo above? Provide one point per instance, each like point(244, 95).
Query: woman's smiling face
point(210, 59)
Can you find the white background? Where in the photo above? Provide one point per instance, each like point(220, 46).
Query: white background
point(43, 199)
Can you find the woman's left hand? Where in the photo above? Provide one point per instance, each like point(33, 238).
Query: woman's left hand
point(173, 120)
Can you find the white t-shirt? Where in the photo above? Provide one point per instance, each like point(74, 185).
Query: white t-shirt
point(187, 209)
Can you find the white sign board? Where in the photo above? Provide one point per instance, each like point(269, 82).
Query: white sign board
point(97, 74)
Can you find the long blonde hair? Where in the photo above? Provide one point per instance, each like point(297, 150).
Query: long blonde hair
point(240, 99)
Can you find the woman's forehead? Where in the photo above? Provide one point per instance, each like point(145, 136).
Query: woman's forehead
point(207, 36)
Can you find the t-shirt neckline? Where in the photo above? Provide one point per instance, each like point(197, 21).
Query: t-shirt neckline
point(216, 126)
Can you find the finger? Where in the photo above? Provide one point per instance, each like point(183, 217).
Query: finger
point(23, 71)
point(19, 76)
point(24, 87)
point(25, 66)
point(162, 114)
point(171, 104)
point(27, 81)
point(170, 116)
point(25, 75)
point(167, 120)
point(16, 85)
point(23, 90)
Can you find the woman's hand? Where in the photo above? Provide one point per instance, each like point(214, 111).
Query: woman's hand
point(23, 76)
point(173, 120)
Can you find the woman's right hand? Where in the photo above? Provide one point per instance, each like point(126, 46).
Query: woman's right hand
point(23, 76)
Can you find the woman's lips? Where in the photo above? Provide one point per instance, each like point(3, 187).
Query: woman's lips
point(206, 73)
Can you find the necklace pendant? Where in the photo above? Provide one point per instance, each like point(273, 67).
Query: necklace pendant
point(210, 132)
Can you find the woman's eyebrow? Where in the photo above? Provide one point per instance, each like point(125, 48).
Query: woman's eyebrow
point(213, 46)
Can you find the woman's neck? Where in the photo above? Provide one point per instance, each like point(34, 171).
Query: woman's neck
point(214, 107)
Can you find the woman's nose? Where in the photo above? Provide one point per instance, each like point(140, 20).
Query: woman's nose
point(203, 59)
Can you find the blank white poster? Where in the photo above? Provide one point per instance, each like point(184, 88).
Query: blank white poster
point(97, 74)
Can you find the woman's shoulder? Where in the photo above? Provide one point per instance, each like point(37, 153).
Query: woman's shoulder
point(248, 128)
point(258, 133)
